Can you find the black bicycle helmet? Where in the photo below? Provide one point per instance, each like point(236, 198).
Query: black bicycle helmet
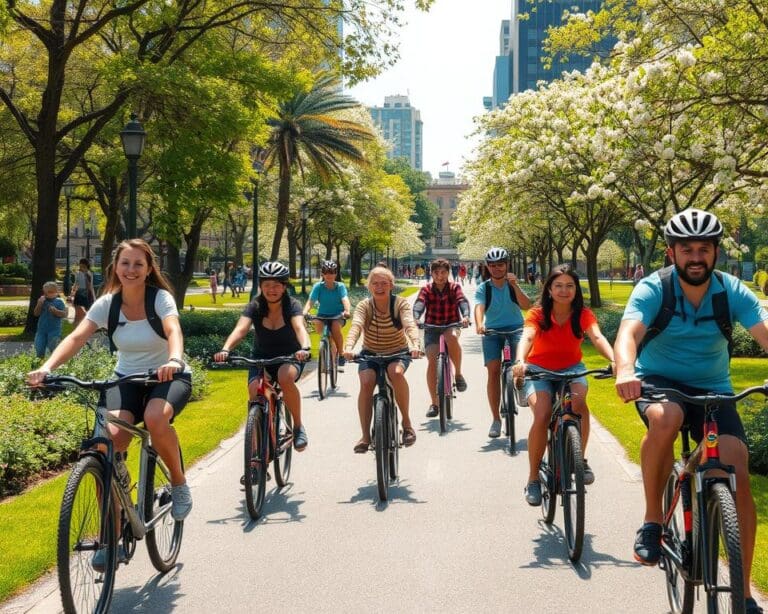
point(328, 266)
point(693, 225)
point(496, 254)
point(273, 270)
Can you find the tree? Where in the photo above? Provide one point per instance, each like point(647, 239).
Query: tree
point(425, 211)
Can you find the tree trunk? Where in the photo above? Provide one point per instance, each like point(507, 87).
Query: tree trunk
point(283, 203)
point(355, 263)
point(179, 275)
point(594, 287)
point(292, 249)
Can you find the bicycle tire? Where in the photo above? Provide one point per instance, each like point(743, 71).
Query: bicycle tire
point(164, 540)
point(284, 452)
point(334, 371)
point(381, 443)
point(509, 391)
point(680, 591)
point(723, 563)
point(322, 369)
point(82, 588)
point(547, 479)
point(450, 387)
point(442, 400)
point(394, 442)
point(572, 474)
point(255, 460)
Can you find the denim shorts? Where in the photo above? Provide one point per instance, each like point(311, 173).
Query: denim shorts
point(432, 336)
point(493, 345)
point(405, 361)
point(546, 385)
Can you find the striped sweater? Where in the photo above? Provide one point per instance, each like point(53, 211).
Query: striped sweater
point(379, 333)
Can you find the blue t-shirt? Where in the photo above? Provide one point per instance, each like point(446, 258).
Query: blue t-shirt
point(328, 299)
point(48, 323)
point(503, 313)
point(691, 350)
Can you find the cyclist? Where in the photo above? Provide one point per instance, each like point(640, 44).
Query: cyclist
point(387, 328)
point(332, 299)
point(552, 338)
point(691, 338)
point(278, 324)
point(498, 304)
point(134, 269)
point(441, 302)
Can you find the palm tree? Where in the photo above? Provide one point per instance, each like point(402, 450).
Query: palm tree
point(308, 130)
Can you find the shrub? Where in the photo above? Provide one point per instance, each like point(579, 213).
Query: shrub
point(743, 343)
point(218, 322)
point(755, 418)
point(759, 278)
point(13, 316)
point(16, 269)
point(203, 347)
point(8, 280)
point(609, 319)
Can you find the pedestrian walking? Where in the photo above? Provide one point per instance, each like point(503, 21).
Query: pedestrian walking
point(213, 281)
point(50, 311)
point(83, 294)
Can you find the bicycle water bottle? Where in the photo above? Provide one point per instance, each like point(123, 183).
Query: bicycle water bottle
point(507, 353)
point(710, 439)
point(122, 470)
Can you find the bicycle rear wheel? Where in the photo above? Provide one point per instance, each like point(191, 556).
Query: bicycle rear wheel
point(547, 479)
point(256, 459)
point(84, 588)
point(334, 370)
point(381, 440)
point(394, 442)
point(572, 472)
point(679, 590)
point(723, 556)
point(284, 452)
point(164, 540)
point(442, 394)
point(509, 392)
point(322, 369)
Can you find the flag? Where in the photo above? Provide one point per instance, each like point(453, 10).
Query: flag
point(444, 164)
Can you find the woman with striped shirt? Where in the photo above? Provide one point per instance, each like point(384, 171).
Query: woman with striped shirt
point(382, 335)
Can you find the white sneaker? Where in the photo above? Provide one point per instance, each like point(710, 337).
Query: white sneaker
point(181, 501)
point(495, 430)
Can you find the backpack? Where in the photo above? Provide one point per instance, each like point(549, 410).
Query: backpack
point(392, 313)
point(149, 307)
point(721, 312)
point(489, 294)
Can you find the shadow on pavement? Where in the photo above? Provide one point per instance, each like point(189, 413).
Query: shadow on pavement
point(397, 493)
point(432, 425)
point(279, 507)
point(157, 595)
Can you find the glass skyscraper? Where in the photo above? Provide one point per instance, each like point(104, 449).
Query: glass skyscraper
point(400, 125)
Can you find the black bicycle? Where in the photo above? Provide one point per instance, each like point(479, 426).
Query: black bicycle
point(90, 535)
point(701, 544)
point(327, 356)
point(446, 386)
point(562, 469)
point(386, 427)
point(507, 407)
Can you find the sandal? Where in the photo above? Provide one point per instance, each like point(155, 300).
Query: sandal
point(409, 436)
point(361, 447)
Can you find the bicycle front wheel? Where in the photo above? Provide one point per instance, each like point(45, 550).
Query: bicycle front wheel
point(572, 472)
point(509, 392)
point(334, 367)
point(164, 540)
point(284, 452)
point(723, 557)
point(381, 442)
point(86, 565)
point(679, 590)
point(547, 479)
point(322, 369)
point(256, 459)
point(442, 393)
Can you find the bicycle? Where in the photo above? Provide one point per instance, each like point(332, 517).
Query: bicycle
point(562, 469)
point(508, 406)
point(698, 530)
point(87, 522)
point(446, 387)
point(327, 356)
point(267, 414)
point(386, 429)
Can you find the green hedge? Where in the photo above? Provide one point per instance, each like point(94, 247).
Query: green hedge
point(12, 281)
point(13, 316)
point(15, 269)
point(755, 418)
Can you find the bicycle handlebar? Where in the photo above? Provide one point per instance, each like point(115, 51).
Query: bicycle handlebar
point(502, 333)
point(258, 362)
point(51, 381)
point(378, 358)
point(309, 317)
point(441, 326)
point(545, 374)
point(654, 394)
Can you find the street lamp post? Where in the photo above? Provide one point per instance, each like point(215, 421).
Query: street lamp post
point(304, 216)
point(257, 164)
point(132, 137)
point(69, 189)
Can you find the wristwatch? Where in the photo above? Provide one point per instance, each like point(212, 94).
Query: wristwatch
point(179, 362)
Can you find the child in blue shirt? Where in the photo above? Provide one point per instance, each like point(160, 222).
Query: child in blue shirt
point(49, 310)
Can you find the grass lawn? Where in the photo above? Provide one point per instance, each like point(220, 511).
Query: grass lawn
point(624, 423)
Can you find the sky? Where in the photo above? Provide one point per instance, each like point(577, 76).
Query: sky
point(445, 67)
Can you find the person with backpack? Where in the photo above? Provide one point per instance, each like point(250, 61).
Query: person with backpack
point(332, 299)
point(441, 302)
point(385, 323)
point(499, 302)
point(139, 312)
point(676, 333)
point(278, 326)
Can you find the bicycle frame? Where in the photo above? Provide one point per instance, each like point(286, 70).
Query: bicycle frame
point(445, 393)
point(506, 408)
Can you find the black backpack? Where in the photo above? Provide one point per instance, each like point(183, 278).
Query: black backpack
point(113, 321)
point(721, 312)
point(489, 294)
point(395, 319)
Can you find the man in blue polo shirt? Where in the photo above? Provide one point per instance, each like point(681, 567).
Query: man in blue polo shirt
point(690, 354)
point(503, 312)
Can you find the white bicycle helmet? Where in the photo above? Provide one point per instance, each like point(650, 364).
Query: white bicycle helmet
point(328, 266)
point(273, 270)
point(693, 224)
point(496, 254)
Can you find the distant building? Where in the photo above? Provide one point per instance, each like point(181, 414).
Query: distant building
point(445, 193)
point(401, 126)
point(502, 71)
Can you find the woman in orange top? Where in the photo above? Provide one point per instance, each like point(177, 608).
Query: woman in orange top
point(552, 340)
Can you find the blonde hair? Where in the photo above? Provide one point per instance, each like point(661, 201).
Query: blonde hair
point(50, 284)
point(380, 270)
point(155, 277)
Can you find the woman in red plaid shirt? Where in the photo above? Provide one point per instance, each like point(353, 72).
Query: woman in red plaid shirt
point(443, 302)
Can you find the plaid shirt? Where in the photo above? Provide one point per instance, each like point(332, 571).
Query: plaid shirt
point(441, 307)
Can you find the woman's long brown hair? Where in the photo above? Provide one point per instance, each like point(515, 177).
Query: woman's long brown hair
point(155, 277)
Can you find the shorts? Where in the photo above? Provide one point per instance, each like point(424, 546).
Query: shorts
point(405, 361)
point(493, 345)
point(256, 372)
point(550, 386)
point(82, 299)
point(135, 397)
point(727, 418)
point(341, 321)
point(432, 336)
